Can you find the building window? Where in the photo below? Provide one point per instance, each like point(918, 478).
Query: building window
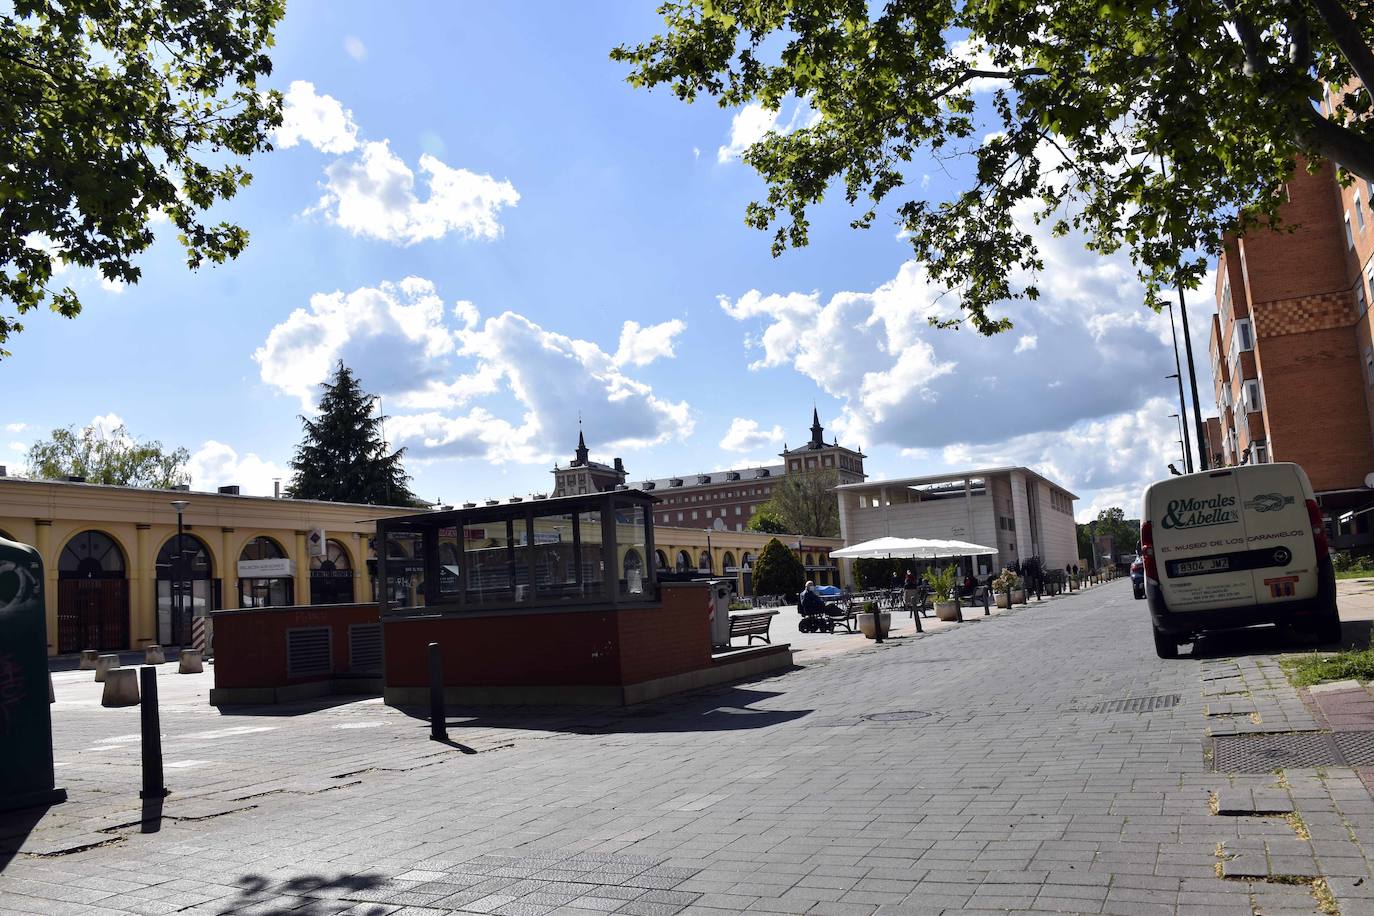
point(1369, 366)
point(694, 515)
point(1361, 303)
point(1359, 211)
point(1349, 236)
point(1250, 395)
point(679, 516)
point(1369, 275)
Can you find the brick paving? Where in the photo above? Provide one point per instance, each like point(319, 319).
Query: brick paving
point(998, 767)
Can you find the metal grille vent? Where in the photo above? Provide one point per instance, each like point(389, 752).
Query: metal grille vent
point(307, 651)
point(1138, 704)
point(365, 648)
point(1265, 753)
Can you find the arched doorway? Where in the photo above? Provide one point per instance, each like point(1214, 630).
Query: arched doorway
point(684, 561)
point(331, 576)
point(662, 559)
point(92, 594)
point(186, 587)
point(632, 577)
point(265, 575)
point(704, 562)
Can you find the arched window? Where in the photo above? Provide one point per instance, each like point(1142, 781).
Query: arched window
point(727, 562)
point(662, 559)
point(633, 573)
point(810, 561)
point(331, 576)
point(684, 561)
point(185, 587)
point(704, 561)
point(265, 575)
point(747, 560)
point(91, 555)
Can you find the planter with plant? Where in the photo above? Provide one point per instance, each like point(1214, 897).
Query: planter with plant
point(1006, 587)
point(866, 617)
point(942, 584)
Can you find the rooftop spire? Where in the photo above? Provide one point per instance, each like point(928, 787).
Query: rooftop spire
point(816, 430)
point(581, 448)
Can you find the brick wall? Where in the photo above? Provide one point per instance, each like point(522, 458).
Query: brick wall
point(1305, 262)
point(250, 645)
point(1315, 406)
point(660, 642)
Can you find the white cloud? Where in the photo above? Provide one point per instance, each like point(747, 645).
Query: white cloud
point(641, 346)
point(745, 435)
point(115, 287)
point(374, 195)
point(1027, 342)
point(16, 427)
point(319, 120)
point(393, 336)
point(18, 448)
point(355, 47)
point(753, 122)
point(215, 464)
point(400, 341)
point(105, 425)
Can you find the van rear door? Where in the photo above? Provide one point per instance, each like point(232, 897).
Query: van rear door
point(1197, 529)
point(1278, 534)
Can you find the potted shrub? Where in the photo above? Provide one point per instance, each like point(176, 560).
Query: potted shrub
point(1003, 587)
point(866, 617)
point(1018, 591)
point(942, 584)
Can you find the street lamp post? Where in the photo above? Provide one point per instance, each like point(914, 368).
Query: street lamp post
point(710, 558)
point(1183, 410)
point(180, 505)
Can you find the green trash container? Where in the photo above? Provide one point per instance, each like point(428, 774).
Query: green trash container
point(26, 770)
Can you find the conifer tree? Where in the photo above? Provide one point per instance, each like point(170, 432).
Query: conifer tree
point(343, 457)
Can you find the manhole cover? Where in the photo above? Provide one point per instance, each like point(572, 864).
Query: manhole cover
point(1138, 704)
point(1266, 753)
point(901, 716)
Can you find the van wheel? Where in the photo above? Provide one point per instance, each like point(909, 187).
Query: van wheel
point(1165, 645)
point(1329, 629)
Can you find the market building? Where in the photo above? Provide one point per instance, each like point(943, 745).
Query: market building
point(1018, 511)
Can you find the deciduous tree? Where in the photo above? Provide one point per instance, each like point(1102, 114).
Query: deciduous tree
point(1154, 126)
point(113, 113)
point(803, 503)
point(108, 457)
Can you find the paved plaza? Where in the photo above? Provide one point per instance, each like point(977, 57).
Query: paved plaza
point(1038, 760)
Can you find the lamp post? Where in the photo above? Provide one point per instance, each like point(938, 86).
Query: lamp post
point(1187, 452)
point(180, 505)
point(710, 559)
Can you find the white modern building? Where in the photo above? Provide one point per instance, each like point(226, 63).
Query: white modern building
point(1020, 512)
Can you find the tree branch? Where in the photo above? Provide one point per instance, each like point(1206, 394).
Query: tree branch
point(1255, 60)
point(1339, 144)
point(1300, 51)
point(1346, 33)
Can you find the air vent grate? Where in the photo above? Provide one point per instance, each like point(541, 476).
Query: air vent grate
point(365, 648)
point(1138, 704)
point(308, 651)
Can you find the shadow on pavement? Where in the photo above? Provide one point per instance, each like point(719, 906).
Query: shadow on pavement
point(15, 827)
point(1355, 634)
point(713, 711)
point(305, 895)
point(296, 707)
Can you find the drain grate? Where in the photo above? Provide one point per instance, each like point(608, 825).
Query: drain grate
point(1138, 704)
point(1265, 753)
point(906, 715)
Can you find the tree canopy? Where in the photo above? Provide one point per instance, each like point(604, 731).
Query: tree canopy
point(1154, 126)
point(1124, 532)
point(112, 114)
point(343, 457)
point(778, 571)
point(107, 457)
point(802, 503)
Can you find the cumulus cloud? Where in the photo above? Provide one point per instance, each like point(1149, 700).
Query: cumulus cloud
point(355, 47)
point(753, 122)
point(16, 427)
point(319, 120)
point(1026, 342)
point(374, 195)
point(640, 346)
point(433, 365)
point(745, 435)
point(216, 464)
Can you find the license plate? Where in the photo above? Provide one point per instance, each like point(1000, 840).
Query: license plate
point(1192, 567)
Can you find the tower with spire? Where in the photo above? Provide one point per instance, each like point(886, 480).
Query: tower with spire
point(819, 455)
point(582, 475)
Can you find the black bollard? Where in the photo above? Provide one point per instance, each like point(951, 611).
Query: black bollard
point(152, 735)
point(438, 728)
point(987, 606)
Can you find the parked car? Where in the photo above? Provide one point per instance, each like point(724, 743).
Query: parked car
point(1138, 577)
point(1233, 548)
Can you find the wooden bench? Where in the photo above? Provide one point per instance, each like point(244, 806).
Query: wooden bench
point(754, 626)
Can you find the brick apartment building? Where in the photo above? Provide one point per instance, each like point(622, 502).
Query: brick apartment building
point(1292, 357)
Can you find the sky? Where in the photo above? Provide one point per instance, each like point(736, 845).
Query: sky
point(470, 207)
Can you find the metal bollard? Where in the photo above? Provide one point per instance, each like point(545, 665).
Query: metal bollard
point(438, 728)
point(152, 735)
point(987, 606)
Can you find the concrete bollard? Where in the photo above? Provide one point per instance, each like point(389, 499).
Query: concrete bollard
point(153, 655)
point(103, 665)
point(88, 657)
point(190, 662)
point(121, 688)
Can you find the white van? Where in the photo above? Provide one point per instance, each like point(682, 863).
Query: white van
point(1233, 548)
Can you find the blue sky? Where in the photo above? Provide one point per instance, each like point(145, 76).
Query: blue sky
point(471, 207)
